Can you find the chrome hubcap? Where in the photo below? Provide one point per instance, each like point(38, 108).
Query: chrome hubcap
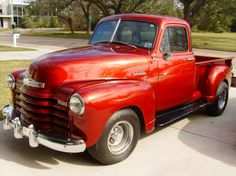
point(222, 99)
point(120, 137)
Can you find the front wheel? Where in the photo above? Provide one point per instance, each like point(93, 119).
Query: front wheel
point(220, 103)
point(118, 139)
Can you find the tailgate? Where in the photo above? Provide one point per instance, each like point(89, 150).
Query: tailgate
point(233, 84)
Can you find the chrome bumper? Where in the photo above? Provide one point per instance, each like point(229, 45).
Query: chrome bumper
point(68, 146)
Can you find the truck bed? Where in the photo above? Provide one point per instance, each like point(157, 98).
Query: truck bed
point(204, 65)
point(206, 60)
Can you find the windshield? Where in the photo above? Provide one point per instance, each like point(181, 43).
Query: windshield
point(137, 33)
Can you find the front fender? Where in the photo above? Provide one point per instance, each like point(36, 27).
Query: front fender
point(216, 75)
point(104, 99)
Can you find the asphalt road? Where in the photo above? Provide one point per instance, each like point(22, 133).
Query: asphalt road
point(42, 42)
point(43, 45)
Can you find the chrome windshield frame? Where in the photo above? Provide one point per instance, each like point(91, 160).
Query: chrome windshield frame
point(114, 33)
point(116, 29)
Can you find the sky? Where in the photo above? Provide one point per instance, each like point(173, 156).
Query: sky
point(19, 1)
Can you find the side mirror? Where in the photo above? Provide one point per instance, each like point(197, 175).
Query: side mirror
point(167, 56)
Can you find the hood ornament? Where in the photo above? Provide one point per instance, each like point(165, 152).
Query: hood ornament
point(32, 83)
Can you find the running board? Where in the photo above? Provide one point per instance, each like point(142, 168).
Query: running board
point(167, 117)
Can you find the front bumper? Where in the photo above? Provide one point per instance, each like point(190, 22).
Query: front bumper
point(35, 138)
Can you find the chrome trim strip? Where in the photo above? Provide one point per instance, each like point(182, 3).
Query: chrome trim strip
point(139, 73)
point(190, 59)
point(67, 146)
point(13, 82)
point(32, 83)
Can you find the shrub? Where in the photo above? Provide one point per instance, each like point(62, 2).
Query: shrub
point(39, 22)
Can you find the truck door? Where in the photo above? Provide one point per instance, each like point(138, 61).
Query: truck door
point(176, 68)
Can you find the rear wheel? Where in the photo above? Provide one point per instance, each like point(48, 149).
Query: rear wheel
point(118, 139)
point(220, 103)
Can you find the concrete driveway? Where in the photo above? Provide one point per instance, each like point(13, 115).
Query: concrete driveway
point(198, 145)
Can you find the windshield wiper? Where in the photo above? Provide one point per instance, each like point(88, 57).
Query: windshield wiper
point(101, 42)
point(115, 42)
point(124, 43)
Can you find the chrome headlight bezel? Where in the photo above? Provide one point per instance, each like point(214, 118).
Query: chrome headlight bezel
point(11, 82)
point(77, 104)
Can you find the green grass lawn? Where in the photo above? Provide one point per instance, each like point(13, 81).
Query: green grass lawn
point(6, 68)
point(61, 34)
point(216, 41)
point(4, 30)
point(4, 48)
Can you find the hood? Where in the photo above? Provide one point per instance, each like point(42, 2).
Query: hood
point(89, 63)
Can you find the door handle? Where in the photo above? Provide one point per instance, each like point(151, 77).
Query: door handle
point(190, 59)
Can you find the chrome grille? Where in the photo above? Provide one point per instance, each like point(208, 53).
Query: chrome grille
point(44, 113)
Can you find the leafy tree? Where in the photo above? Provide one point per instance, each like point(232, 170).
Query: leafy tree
point(191, 8)
point(218, 16)
point(203, 12)
point(160, 7)
point(62, 9)
point(213, 15)
point(233, 25)
point(111, 7)
point(107, 8)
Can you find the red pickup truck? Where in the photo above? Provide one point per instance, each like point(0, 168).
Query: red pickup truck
point(138, 72)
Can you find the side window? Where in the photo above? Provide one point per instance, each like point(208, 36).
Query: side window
point(165, 44)
point(174, 40)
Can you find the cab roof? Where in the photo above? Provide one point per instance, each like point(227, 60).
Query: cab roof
point(148, 18)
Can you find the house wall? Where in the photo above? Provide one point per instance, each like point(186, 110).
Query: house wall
point(6, 23)
point(5, 12)
point(5, 16)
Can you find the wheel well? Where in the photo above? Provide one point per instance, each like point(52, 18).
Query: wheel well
point(140, 116)
point(226, 81)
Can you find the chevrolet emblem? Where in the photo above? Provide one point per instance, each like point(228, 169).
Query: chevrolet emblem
point(32, 83)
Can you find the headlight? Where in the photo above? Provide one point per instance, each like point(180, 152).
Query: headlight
point(77, 104)
point(11, 81)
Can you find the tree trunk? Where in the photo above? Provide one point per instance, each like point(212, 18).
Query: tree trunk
point(191, 10)
point(70, 23)
point(187, 16)
point(88, 26)
point(86, 11)
point(187, 13)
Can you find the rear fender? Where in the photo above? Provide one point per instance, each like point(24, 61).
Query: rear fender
point(216, 75)
point(104, 99)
